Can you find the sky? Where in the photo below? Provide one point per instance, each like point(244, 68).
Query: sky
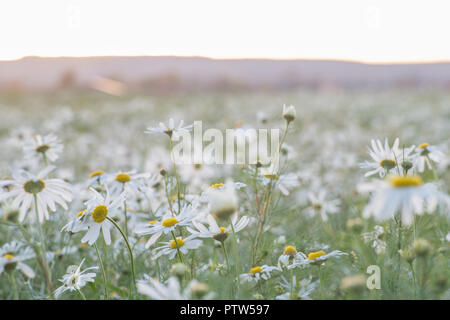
point(362, 30)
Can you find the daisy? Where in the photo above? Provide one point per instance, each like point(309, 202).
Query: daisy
point(48, 147)
point(97, 177)
point(306, 287)
point(129, 180)
point(384, 158)
point(75, 279)
point(170, 129)
point(94, 218)
point(222, 203)
point(12, 255)
point(171, 248)
point(407, 195)
point(27, 188)
point(317, 257)
point(284, 182)
point(166, 225)
point(216, 232)
point(318, 204)
point(375, 239)
point(425, 154)
point(158, 291)
point(290, 258)
point(257, 273)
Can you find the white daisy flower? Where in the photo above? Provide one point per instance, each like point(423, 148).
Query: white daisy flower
point(407, 195)
point(216, 232)
point(170, 129)
point(48, 147)
point(222, 203)
point(48, 192)
point(290, 258)
point(318, 257)
point(425, 154)
point(184, 245)
point(94, 219)
point(318, 204)
point(75, 279)
point(129, 180)
point(285, 182)
point(158, 291)
point(167, 224)
point(385, 159)
point(97, 177)
point(12, 255)
point(257, 273)
point(375, 239)
point(306, 287)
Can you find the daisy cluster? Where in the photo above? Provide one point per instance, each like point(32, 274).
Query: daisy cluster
point(98, 209)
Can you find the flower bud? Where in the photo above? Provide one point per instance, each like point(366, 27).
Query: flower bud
point(178, 269)
point(422, 247)
point(289, 113)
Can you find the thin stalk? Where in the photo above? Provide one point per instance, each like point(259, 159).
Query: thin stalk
point(12, 279)
point(44, 265)
point(236, 254)
point(130, 251)
point(225, 254)
point(102, 267)
point(125, 212)
point(81, 294)
point(178, 248)
point(176, 173)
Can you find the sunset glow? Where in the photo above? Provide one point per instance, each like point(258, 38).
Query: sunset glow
point(371, 31)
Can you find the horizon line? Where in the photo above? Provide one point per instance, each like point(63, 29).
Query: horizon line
point(360, 61)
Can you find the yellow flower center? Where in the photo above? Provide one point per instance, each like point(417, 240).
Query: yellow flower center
point(99, 213)
point(79, 214)
point(96, 173)
point(388, 164)
point(123, 177)
point(173, 244)
point(175, 196)
point(43, 148)
point(222, 235)
point(408, 181)
point(152, 222)
point(216, 185)
point(315, 255)
point(271, 176)
point(423, 145)
point(255, 270)
point(8, 256)
point(290, 251)
point(169, 222)
point(34, 186)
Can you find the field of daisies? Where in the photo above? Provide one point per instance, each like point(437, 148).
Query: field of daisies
point(93, 207)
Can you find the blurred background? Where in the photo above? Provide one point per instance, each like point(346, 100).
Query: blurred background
point(161, 47)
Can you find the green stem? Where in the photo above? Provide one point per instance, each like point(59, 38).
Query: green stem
point(12, 279)
point(81, 294)
point(178, 248)
point(176, 173)
point(225, 254)
point(102, 267)
point(236, 257)
point(129, 250)
point(44, 265)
